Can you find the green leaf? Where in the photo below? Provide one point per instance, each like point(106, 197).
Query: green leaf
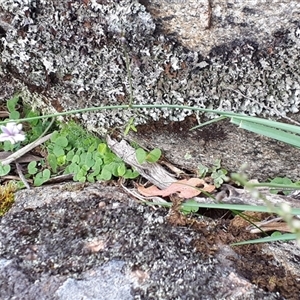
point(217, 165)
point(283, 181)
point(97, 159)
point(276, 233)
point(277, 134)
point(82, 158)
point(276, 238)
point(31, 114)
point(14, 115)
point(73, 168)
point(154, 155)
point(130, 126)
point(61, 160)
point(140, 155)
point(4, 170)
point(32, 168)
point(121, 170)
point(93, 147)
point(79, 151)
point(85, 169)
point(54, 136)
point(41, 177)
point(91, 178)
point(81, 175)
point(70, 155)
point(131, 174)
point(189, 207)
point(8, 146)
point(105, 175)
point(58, 151)
point(51, 158)
point(219, 177)
point(202, 170)
point(11, 104)
point(62, 141)
point(109, 158)
point(76, 159)
point(89, 161)
point(102, 148)
point(112, 168)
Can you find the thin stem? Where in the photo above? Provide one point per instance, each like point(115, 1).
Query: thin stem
point(133, 106)
point(24, 150)
point(129, 77)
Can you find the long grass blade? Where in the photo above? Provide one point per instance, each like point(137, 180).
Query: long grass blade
point(270, 132)
point(282, 237)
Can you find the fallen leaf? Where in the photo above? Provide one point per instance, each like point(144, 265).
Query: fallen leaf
point(184, 188)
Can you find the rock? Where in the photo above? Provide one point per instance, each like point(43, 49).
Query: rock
point(257, 156)
point(67, 55)
point(202, 25)
point(69, 241)
point(216, 54)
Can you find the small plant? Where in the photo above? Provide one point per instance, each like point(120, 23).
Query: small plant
point(74, 151)
point(152, 156)
point(130, 126)
point(217, 173)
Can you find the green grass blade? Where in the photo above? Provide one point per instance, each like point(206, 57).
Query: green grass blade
point(237, 207)
point(283, 237)
point(270, 123)
point(280, 135)
point(208, 122)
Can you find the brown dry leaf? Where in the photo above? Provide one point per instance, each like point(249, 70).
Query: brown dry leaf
point(184, 188)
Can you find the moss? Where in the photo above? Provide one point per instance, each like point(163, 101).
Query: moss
point(7, 197)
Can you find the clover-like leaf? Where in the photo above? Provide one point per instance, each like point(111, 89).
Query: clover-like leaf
point(42, 177)
point(154, 155)
point(58, 150)
point(141, 155)
point(32, 169)
point(129, 174)
point(61, 141)
point(121, 170)
point(4, 170)
point(105, 175)
point(52, 160)
point(102, 148)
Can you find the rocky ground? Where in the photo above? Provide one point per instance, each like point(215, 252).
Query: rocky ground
point(72, 241)
point(91, 242)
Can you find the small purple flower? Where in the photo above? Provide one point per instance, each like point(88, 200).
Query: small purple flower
point(12, 132)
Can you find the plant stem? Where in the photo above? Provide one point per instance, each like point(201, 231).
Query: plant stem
point(126, 106)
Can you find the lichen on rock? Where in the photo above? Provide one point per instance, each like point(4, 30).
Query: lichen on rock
point(69, 55)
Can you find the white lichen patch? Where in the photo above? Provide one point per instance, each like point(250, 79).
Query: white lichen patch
point(74, 52)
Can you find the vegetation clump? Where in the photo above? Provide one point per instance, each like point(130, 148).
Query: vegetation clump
point(7, 197)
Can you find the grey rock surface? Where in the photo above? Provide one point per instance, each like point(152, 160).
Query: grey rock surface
point(66, 55)
point(240, 56)
point(201, 25)
point(93, 242)
point(257, 156)
point(107, 282)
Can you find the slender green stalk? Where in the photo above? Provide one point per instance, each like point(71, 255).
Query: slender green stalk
point(128, 106)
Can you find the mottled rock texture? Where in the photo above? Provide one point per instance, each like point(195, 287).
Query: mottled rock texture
point(95, 243)
point(231, 55)
point(70, 54)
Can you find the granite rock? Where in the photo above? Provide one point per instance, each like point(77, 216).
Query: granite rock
point(94, 242)
point(228, 55)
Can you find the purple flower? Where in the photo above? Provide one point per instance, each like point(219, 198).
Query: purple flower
point(12, 132)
